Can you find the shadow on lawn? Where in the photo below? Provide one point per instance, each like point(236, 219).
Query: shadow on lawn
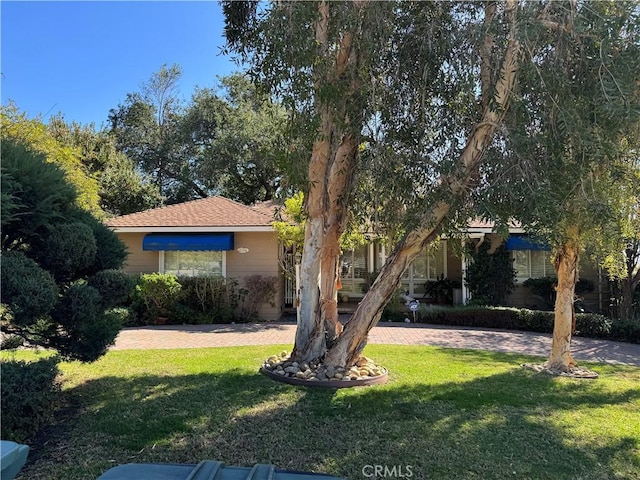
point(491, 427)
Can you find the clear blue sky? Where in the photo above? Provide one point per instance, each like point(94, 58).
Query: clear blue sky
point(82, 58)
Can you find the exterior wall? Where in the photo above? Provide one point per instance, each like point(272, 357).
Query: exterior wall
point(138, 261)
point(595, 301)
point(261, 259)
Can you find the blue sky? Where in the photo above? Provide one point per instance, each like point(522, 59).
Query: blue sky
point(82, 58)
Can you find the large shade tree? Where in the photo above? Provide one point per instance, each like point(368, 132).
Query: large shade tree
point(431, 81)
point(242, 156)
point(228, 141)
point(565, 145)
point(123, 188)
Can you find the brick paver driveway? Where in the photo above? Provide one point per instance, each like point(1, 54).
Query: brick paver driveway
point(201, 336)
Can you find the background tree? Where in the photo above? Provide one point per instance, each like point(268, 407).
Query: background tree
point(622, 257)
point(146, 128)
point(242, 140)
point(232, 145)
point(35, 134)
point(577, 98)
point(122, 188)
point(59, 281)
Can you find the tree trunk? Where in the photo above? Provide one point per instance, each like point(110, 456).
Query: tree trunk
point(310, 341)
point(629, 283)
point(354, 337)
point(566, 262)
point(331, 174)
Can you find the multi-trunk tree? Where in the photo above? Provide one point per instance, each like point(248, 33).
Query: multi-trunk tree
point(433, 81)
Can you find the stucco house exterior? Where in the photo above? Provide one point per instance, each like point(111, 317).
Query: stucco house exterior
point(221, 237)
point(213, 235)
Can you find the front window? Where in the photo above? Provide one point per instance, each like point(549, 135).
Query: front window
point(532, 264)
point(194, 263)
point(354, 268)
point(428, 266)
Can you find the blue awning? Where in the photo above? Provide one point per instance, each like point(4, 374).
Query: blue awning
point(188, 241)
point(525, 243)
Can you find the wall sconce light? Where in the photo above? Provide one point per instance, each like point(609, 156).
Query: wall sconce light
point(243, 250)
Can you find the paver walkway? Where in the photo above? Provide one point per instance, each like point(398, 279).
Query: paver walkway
point(200, 336)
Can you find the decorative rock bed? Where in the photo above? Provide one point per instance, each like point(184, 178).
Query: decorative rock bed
point(574, 371)
point(365, 372)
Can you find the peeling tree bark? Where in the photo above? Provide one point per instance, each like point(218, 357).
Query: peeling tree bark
point(331, 168)
point(319, 310)
point(350, 344)
point(566, 261)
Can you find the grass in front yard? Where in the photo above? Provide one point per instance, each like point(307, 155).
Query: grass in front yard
point(446, 414)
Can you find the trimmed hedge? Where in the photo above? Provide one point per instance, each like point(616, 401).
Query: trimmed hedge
point(29, 392)
point(587, 324)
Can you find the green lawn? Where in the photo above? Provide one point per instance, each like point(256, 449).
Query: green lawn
point(445, 414)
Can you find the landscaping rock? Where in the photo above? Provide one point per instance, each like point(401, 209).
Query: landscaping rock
point(282, 365)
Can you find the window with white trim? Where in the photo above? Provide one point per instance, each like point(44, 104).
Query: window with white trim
point(195, 263)
point(429, 265)
point(532, 264)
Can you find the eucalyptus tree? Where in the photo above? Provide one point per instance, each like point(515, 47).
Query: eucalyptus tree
point(578, 97)
point(431, 80)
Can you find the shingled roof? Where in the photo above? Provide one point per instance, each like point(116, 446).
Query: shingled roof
point(206, 213)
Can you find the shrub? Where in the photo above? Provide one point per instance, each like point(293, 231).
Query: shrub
point(490, 277)
point(592, 325)
point(626, 329)
point(52, 246)
point(121, 315)
point(545, 287)
point(29, 392)
point(29, 291)
point(509, 318)
point(66, 250)
point(86, 329)
point(536, 320)
point(214, 298)
point(260, 289)
point(394, 311)
point(158, 292)
point(111, 252)
point(114, 286)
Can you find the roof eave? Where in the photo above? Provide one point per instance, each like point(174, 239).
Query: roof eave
point(165, 229)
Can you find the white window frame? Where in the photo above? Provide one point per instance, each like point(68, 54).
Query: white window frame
point(548, 270)
point(161, 268)
point(411, 283)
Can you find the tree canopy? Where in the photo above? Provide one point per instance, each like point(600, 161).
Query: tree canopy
point(232, 144)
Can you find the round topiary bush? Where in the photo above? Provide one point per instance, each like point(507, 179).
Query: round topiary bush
point(114, 286)
point(29, 291)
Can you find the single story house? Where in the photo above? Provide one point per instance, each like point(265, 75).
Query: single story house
point(221, 237)
point(213, 235)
